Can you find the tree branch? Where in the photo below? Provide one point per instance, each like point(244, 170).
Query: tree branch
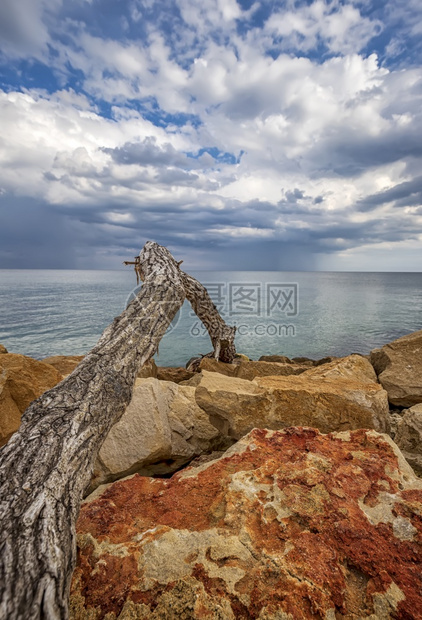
point(46, 466)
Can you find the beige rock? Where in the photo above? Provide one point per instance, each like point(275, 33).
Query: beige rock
point(175, 374)
point(409, 437)
point(399, 369)
point(249, 370)
point(161, 429)
point(65, 364)
point(148, 370)
point(23, 379)
point(235, 406)
point(355, 367)
point(212, 365)
point(282, 359)
point(3, 349)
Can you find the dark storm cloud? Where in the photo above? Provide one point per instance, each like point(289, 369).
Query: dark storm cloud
point(408, 193)
point(34, 235)
point(349, 154)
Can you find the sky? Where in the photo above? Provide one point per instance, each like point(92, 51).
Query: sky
point(250, 135)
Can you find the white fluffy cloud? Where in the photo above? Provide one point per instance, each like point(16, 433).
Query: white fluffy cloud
point(215, 126)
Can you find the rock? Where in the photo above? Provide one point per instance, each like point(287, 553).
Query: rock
point(286, 525)
point(249, 370)
point(22, 380)
point(148, 370)
point(304, 360)
point(65, 364)
point(168, 373)
point(409, 437)
point(3, 349)
point(235, 406)
point(354, 367)
point(213, 365)
point(281, 359)
point(395, 419)
point(399, 369)
point(162, 429)
point(10, 414)
point(241, 357)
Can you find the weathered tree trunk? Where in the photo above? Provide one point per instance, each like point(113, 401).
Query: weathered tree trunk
point(48, 463)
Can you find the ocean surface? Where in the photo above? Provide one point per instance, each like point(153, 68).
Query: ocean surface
point(311, 314)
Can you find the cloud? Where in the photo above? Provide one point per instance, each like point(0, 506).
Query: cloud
point(262, 135)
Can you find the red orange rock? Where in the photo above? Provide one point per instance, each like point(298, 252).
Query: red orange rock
point(287, 524)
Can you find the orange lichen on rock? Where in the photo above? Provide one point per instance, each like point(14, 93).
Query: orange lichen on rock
point(287, 524)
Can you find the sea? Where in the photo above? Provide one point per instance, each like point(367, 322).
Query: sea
point(298, 314)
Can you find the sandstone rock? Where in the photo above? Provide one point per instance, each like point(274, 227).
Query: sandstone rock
point(3, 349)
point(282, 359)
point(148, 370)
point(324, 360)
point(175, 374)
point(395, 419)
point(65, 364)
point(241, 357)
point(409, 437)
point(161, 429)
point(249, 370)
point(355, 367)
point(235, 406)
point(23, 379)
point(10, 414)
point(213, 365)
point(399, 369)
point(286, 525)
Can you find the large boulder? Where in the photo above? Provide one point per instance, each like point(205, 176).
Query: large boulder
point(250, 370)
point(245, 369)
point(22, 380)
point(399, 369)
point(175, 374)
point(212, 365)
point(286, 525)
point(409, 437)
point(354, 367)
point(3, 349)
point(331, 403)
point(162, 429)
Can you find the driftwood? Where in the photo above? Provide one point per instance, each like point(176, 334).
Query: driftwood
point(47, 464)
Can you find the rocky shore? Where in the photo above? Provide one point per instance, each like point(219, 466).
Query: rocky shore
point(272, 489)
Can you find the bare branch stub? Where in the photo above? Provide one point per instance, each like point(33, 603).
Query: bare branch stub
point(137, 268)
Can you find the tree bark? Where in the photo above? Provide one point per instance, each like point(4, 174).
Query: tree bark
point(46, 466)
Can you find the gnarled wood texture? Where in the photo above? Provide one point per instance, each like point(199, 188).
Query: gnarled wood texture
point(48, 463)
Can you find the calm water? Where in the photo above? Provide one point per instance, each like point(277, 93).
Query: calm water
point(57, 312)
